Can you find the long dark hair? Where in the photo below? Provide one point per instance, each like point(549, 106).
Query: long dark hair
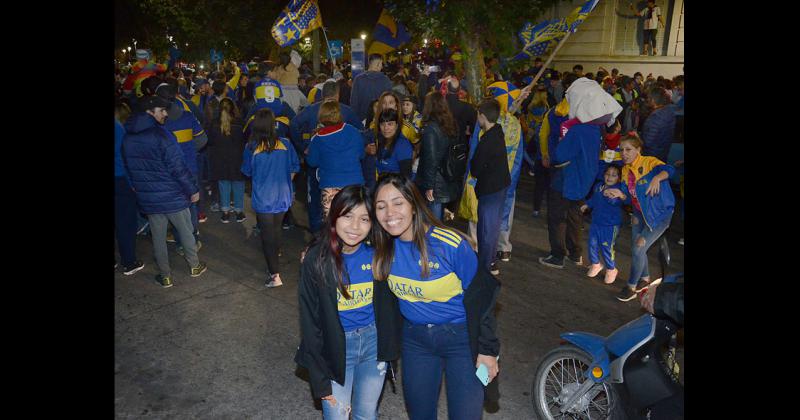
point(262, 133)
point(330, 253)
point(384, 143)
point(436, 109)
point(422, 219)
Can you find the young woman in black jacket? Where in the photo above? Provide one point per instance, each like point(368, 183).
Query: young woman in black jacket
point(340, 342)
point(440, 130)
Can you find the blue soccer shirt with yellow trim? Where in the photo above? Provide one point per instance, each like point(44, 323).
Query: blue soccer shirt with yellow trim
point(357, 312)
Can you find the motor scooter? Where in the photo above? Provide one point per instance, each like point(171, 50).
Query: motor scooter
point(622, 376)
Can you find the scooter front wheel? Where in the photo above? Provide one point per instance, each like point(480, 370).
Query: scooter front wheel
point(559, 375)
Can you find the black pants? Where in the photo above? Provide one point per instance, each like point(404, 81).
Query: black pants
point(541, 184)
point(563, 225)
point(125, 210)
point(270, 226)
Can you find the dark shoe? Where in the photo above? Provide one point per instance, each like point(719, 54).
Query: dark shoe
point(494, 269)
point(626, 294)
point(201, 217)
point(200, 269)
point(505, 256)
point(578, 262)
point(138, 265)
point(226, 217)
point(163, 281)
point(240, 217)
point(551, 261)
point(642, 285)
point(170, 237)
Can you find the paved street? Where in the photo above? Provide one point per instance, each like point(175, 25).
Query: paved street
point(222, 345)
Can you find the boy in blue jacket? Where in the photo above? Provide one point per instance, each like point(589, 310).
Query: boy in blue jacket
point(606, 220)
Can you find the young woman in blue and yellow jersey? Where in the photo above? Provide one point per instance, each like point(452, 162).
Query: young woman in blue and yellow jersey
point(339, 344)
point(648, 191)
point(446, 301)
point(394, 151)
point(272, 163)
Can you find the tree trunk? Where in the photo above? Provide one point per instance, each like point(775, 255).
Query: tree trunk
point(315, 50)
point(473, 66)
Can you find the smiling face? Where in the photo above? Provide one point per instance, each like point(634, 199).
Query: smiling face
point(611, 177)
point(629, 152)
point(394, 213)
point(352, 228)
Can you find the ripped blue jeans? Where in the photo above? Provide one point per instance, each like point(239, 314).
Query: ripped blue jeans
point(363, 379)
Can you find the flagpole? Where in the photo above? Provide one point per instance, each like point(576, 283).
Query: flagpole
point(328, 44)
point(541, 70)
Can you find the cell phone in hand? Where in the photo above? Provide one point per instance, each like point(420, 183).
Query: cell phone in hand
point(483, 374)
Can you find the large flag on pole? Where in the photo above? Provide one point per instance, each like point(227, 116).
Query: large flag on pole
point(539, 37)
point(388, 35)
point(295, 21)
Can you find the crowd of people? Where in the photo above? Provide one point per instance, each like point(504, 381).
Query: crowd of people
point(387, 159)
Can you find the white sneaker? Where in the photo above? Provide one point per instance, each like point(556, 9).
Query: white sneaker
point(680, 241)
point(275, 281)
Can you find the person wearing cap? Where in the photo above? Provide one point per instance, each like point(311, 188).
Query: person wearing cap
point(165, 187)
point(202, 90)
point(188, 133)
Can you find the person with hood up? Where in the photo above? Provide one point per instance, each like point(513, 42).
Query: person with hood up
point(575, 157)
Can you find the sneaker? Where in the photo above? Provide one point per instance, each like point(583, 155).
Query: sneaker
point(163, 281)
point(577, 262)
point(551, 261)
point(594, 269)
point(214, 207)
point(626, 294)
point(170, 237)
point(504, 256)
point(240, 217)
point(274, 281)
point(226, 217)
point(286, 226)
point(200, 269)
point(494, 269)
point(201, 217)
point(680, 241)
point(138, 265)
point(611, 275)
point(536, 213)
point(143, 228)
point(183, 254)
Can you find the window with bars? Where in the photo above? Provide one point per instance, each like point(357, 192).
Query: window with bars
point(629, 33)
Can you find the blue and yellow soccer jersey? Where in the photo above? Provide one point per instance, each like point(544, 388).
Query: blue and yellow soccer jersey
point(185, 129)
point(438, 299)
point(357, 311)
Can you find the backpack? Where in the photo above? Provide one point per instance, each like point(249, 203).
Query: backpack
point(454, 166)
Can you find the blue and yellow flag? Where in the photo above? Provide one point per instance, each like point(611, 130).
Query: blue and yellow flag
point(538, 38)
point(388, 35)
point(295, 21)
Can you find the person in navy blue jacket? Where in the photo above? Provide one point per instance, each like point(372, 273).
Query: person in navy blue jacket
point(301, 128)
point(336, 150)
point(165, 188)
point(658, 130)
point(606, 220)
point(272, 162)
point(125, 207)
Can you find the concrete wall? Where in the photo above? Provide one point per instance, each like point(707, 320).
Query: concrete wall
point(611, 38)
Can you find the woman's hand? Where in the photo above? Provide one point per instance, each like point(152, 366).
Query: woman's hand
point(429, 195)
point(613, 193)
point(491, 365)
point(654, 188)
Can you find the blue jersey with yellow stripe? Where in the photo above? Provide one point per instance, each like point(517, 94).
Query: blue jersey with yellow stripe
point(439, 298)
point(357, 312)
point(272, 176)
point(185, 129)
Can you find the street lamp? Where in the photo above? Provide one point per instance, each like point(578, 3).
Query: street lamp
point(363, 35)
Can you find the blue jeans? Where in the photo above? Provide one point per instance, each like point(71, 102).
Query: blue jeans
point(363, 379)
point(225, 195)
point(490, 214)
point(428, 350)
point(639, 264)
point(437, 209)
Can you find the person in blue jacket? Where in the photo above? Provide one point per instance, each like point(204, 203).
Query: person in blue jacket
point(271, 162)
point(269, 94)
point(165, 188)
point(125, 207)
point(647, 189)
point(658, 130)
point(395, 153)
point(336, 150)
point(301, 128)
point(606, 220)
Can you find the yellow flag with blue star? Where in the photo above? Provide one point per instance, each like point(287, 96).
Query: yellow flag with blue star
point(297, 19)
